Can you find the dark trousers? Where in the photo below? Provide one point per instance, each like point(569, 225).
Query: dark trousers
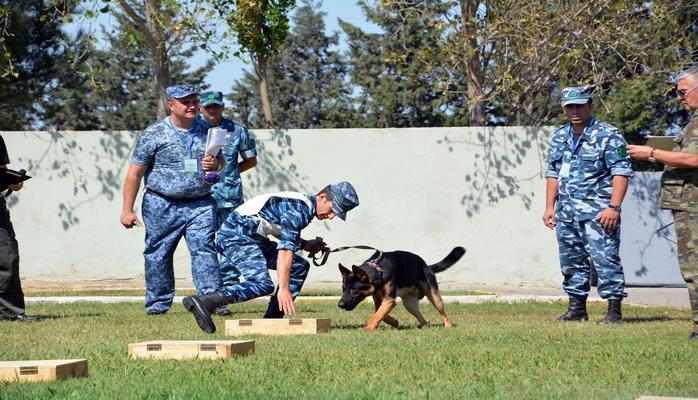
point(11, 295)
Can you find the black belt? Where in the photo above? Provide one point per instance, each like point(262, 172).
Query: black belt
point(169, 198)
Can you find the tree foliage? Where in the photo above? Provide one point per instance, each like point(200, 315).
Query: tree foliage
point(511, 57)
point(33, 49)
point(261, 27)
point(111, 88)
point(395, 87)
point(307, 80)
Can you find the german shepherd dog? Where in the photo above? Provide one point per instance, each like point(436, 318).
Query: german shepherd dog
point(397, 273)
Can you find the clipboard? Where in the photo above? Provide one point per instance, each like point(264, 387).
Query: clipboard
point(12, 177)
point(660, 142)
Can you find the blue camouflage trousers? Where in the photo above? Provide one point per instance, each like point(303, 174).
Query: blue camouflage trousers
point(254, 256)
point(166, 222)
point(229, 273)
point(582, 241)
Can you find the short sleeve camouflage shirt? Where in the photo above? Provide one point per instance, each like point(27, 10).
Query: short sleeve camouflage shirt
point(599, 155)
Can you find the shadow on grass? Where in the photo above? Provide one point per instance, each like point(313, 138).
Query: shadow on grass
point(78, 315)
point(635, 320)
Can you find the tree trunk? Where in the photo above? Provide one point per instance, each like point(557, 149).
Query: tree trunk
point(473, 69)
point(159, 57)
point(261, 69)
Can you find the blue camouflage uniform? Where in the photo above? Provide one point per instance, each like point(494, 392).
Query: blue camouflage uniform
point(599, 155)
point(254, 254)
point(176, 204)
point(228, 191)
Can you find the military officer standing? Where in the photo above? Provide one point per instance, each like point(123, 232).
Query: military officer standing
point(228, 191)
point(243, 239)
point(177, 201)
point(587, 177)
point(679, 192)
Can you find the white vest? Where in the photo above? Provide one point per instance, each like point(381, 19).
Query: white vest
point(252, 207)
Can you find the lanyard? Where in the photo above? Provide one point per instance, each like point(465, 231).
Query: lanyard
point(181, 137)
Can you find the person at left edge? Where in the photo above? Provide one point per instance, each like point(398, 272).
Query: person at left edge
point(177, 202)
point(228, 191)
point(11, 294)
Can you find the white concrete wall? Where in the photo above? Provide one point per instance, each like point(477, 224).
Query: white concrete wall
point(423, 190)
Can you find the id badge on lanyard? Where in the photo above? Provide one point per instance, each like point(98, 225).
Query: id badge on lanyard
point(572, 146)
point(191, 164)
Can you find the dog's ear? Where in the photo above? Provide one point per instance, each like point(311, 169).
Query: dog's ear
point(361, 274)
point(343, 270)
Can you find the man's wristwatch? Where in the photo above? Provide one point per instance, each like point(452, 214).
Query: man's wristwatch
point(651, 157)
point(614, 208)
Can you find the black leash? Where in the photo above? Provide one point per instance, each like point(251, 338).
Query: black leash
point(320, 257)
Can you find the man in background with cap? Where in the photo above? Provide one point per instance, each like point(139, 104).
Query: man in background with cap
point(243, 239)
point(679, 192)
point(228, 191)
point(587, 177)
point(177, 201)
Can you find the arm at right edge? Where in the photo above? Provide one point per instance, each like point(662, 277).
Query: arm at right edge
point(131, 184)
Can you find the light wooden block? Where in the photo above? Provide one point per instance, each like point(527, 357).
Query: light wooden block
point(42, 370)
point(187, 349)
point(291, 326)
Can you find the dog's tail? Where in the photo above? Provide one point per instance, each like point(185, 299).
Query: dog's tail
point(450, 259)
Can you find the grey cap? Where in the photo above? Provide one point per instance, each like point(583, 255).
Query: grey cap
point(344, 198)
point(180, 91)
point(575, 95)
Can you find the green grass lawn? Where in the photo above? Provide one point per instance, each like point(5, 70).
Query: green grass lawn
point(502, 351)
point(189, 292)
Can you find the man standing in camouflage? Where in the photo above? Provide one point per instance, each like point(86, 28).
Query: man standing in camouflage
point(587, 177)
point(243, 239)
point(228, 191)
point(679, 191)
point(177, 202)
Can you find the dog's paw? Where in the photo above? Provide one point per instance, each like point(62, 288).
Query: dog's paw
point(370, 328)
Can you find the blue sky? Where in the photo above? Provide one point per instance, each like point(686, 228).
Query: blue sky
point(225, 73)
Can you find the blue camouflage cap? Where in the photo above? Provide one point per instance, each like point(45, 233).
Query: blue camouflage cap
point(575, 95)
point(344, 198)
point(180, 91)
point(210, 97)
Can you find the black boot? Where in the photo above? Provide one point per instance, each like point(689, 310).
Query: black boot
point(223, 311)
point(273, 309)
point(576, 311)
point(202, 306)
point(613, 316)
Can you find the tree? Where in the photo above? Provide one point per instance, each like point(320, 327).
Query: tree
point(115, 84)
point(261, 27)
point(513, 56)
point(307, 80)
point(395, 87)
point(33, 47)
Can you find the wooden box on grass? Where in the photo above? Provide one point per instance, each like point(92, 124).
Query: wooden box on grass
point(292, 326)
point(42, 370)
point(186, 349)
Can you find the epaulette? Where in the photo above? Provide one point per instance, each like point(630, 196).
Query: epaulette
point(607, 126)
point(235, 123)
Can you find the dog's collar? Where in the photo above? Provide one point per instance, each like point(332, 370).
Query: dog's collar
point(372, 269)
